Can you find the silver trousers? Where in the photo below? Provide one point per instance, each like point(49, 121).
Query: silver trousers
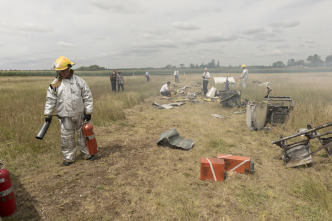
point(69, 146)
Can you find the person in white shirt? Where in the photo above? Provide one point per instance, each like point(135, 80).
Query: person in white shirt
point(164, 91)
point(206, 77)
point(176, 75)
point(244, 75)
point(147, 76)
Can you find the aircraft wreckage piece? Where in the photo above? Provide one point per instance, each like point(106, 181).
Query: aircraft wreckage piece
point(221, 80)
point(166, 106)
point(171, 138)
point(211, 92)
point(230, 98)
point(256, 115)
point(218, 116)
point(298, 153)
point(279, 108)
point(163, 106)
point(274, 110)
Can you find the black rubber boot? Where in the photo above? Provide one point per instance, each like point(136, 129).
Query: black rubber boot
point(66, 163)
point(93, 157)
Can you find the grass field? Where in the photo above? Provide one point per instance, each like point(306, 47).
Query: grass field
point(134, 179)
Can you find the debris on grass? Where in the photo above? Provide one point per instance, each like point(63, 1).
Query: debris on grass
point(239, 112)
point(162, 106)
point(218, 116)
point(171, 138)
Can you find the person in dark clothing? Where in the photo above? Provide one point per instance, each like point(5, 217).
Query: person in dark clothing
point(227, 85)
point(113, 80)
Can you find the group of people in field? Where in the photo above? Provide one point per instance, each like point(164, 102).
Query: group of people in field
point(165, 90)
point(117, 79)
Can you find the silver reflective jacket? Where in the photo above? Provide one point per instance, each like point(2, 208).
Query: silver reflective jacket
point(71, 98)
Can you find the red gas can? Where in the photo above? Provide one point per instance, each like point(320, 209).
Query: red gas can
point(7, 200)
point(90, 138)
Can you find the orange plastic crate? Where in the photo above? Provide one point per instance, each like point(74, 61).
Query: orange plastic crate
point(237, 164)
point(212, 169)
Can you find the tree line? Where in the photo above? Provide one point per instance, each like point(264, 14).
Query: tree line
point(312, 61)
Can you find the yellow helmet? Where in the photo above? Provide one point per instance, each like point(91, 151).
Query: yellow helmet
point(62, 63)
point(243, 66)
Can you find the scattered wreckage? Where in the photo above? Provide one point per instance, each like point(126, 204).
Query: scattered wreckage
point(298, 153)
point(274, 110)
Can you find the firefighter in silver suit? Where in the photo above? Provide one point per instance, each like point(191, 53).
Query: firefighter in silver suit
point(72, 98)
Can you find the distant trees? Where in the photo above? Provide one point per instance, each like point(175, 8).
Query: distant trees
point(211, 64)
point(91, 68)
point(312, 61)
point(170, 66)
point(278, 64)
point(293, 62)
point(328, 60)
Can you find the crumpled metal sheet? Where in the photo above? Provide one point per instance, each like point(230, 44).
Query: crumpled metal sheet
point(171, 138)
point(218, 116)
point(167, 106)
point(163, 106)
point(176, 104)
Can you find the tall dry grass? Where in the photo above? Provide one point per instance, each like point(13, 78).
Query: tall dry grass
point(23, 98)
point(307, 195)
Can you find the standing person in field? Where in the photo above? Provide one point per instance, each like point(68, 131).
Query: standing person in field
point(147, 76)
point(120, 81)
point(176, 75)
point(244, 75)
point(206, 77)
point(113, 80)
point(165, 91)
point(72, 98)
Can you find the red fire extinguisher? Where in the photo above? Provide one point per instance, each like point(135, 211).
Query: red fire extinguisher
point(90, 138)
point(7, 200)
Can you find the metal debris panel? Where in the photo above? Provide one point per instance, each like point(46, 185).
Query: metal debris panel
point(220, 80)
point(171, 138)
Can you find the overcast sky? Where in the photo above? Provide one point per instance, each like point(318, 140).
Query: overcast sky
point(155, 33)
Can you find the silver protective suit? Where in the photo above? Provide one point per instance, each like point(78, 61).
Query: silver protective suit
point(71, 98)
point(244, 77)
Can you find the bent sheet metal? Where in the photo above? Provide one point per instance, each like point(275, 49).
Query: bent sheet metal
point(171, 138)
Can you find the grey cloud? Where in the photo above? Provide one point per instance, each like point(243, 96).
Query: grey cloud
point(310, 42)
point(65, 44)
point(24, 28)
point(275, 52)
point(34, 28)
point(218, 38)
point(185, 26)
point(276, 40)
point(289, 24)
point(283, 46)
point(262, 37)
point(189, 41)
point(254, 30)
point(158, 44)
point(116, 6)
